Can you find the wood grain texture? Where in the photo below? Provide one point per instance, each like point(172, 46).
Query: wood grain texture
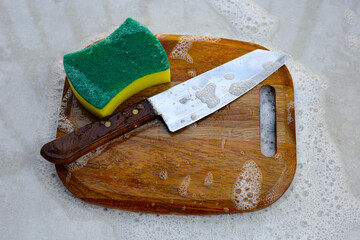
point(212, 167)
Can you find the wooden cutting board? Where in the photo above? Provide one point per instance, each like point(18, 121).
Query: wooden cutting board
point(212, 167)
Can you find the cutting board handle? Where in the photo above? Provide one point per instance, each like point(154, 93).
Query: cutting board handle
point(67, 149)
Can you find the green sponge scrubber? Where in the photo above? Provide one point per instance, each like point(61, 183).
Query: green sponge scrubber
point(105, 74)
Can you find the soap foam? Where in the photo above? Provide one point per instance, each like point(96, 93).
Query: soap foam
point(252, 23)
point(270, 67)
point(246, 189)
point(2, 79)
point(209, 179)
point(163, 174)
point(160, 36)
point(181, 50)
point(82, 161)
point(191, 73)
point(289, 107)
point(353, 42)
point(207, 95)
point(239, 88)
point(350, 17)
point(183, 188)
point(229, 76)
point(268, 120)
point(317, 205)
point(65, 125)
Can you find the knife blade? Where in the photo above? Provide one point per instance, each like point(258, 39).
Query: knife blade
point(178, 106)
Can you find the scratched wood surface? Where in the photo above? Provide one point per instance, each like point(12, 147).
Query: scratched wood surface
point(214, 166)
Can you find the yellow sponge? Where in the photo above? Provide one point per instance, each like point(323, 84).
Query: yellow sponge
point(105, 74)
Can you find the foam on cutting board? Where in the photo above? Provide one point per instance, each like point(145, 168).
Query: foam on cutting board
point(209, 179)
point(65, 124)
point(181, 50)
point(246, 190)
point(184, 185)
point(317, 205)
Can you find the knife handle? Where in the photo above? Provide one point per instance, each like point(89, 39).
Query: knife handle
point(67, 149)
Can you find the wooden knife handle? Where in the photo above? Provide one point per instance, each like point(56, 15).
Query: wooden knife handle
point(70, 147)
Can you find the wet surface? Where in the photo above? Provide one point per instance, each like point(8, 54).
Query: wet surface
point(323, 36)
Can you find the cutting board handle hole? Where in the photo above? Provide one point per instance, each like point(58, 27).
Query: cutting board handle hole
point(267, 120)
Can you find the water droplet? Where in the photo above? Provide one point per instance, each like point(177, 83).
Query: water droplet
point(191, 73)
point(209, 179)
point(229, 76)
point(184, 100)
point(223, 142)
point(163, 175)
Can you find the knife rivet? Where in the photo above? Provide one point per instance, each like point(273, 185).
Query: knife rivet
point(140, 106)
point(135, 111)
point(107, 124)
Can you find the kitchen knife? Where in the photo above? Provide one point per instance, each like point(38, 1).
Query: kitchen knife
point(178, 106)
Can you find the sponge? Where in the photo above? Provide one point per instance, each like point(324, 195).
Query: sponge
point(105, 74)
